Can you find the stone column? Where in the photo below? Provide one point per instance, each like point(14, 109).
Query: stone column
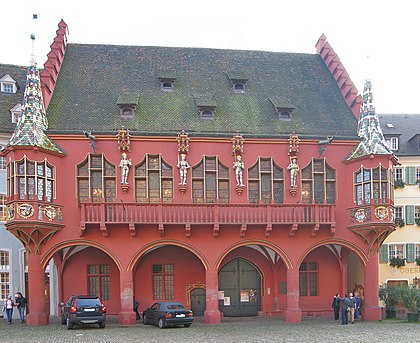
point(293, 311)
point(212, 313)
point(127, 315)
point(37, 315)
point(371, 309)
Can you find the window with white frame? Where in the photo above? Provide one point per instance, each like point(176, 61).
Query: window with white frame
point(398, 173)
point(398, 212)
point(417, 212)
point(2, 163)
point(417, 251)
point(396, 250)
point(8, 84)
point(417, 173)
point(393, 143)
point(2, 208)
point(372, 184)
point(4, 274)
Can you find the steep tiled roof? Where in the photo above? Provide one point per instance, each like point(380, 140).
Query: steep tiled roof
point(93, 77)
point(9, 100)
point(407, 128)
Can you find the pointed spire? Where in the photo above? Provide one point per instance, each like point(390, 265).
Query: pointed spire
point(369, 129)
point(32, 124)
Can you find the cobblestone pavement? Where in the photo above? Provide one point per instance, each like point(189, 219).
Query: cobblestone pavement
point(249, 329)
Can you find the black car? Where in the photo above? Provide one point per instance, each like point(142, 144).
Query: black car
point(166, 314)
point(83, 309)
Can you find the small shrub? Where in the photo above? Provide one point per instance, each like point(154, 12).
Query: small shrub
point(397, 262)
point(398, 183)
point(399, 222)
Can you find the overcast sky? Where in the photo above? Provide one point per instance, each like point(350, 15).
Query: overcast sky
point(375, 39)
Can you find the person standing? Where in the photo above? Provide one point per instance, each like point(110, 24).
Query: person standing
point(8, 307)
point(136, 308)
point(345, 302)
point(336, 306)
point(352, 306)
point(358, 312)
point(21, 303)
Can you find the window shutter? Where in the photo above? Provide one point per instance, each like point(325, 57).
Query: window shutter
point(410, 175)
point(409, 214)
point(383, 254)
point(410, 252)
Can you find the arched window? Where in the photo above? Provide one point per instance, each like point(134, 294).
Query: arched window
point(372, 184)
point(31, 180)
point(210, 181)
point(318, 182)
point(153, 180)
point(96, 179)
point(265, 182)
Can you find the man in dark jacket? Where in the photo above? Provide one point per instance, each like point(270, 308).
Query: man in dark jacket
point(21, 303)
point(352, 307)
point(345, 303)
point(336, 305)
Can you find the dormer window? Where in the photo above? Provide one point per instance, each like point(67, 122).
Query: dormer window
point(127, 104)
point(283, 107)
point(7, 84)
point(207, 113)
point(239, 87)
point(167, 86)
point(15, 112)
point(238, 81)
point(392, 143)
point(167, 80)
point(206, 106)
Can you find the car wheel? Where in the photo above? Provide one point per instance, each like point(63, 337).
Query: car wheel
point(102, 325)
point(187, 325)
point(69, 324)
point(145, 320)
point(63, 320)
point(161, 323)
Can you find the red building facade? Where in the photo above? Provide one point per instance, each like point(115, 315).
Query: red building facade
point(232, 218)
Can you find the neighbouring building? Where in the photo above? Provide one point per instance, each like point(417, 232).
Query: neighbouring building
point(237, 182)
point(402, 132)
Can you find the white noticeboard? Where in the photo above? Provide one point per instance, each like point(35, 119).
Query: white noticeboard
point(221, 295)
point(226, 301)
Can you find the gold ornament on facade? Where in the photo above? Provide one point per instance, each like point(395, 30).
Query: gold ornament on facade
point(381, 212)
point(293, 166)
point(25, 210)
point(124, 139)
point(183, 165)
point(238, 164)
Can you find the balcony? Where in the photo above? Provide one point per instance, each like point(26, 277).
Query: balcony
point(108, 214)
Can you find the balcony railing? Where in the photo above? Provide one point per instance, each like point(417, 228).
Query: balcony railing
point(147, 213)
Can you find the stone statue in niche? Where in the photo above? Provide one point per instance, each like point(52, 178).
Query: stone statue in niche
point(293, 167)
point(183, 167)
point(125, 165)
point(239, 166)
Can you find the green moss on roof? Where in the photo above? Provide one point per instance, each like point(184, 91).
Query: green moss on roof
point(92, 78)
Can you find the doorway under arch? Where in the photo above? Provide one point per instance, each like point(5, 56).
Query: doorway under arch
point(240, 282)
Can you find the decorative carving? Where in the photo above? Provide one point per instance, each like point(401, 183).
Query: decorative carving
point(183, 165)
point(293, 166)
point(373, 235)
point(381, 212)
point(25, 210)
point(32, 237)
point(238, 164)
point(359, 215)
point(124, 139)
point(10, 212)
point(125, 165)
point(49, 211)
point(237, 144)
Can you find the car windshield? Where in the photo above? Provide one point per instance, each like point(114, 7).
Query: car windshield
point(175, 307)
point(88, 302)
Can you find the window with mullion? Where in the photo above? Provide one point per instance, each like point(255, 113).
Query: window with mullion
point(210, 181)
point(396, 250)
point(265, 182)
point(31, 180)
point(163, 281)
point(153, 180)
point(319, 182)
point(99, 280)
point(308, 279)
point(372, 184)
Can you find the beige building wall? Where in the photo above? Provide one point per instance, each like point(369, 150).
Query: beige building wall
point(406, 238)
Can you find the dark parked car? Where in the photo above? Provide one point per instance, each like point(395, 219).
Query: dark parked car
point(166, 314)
point(83, 309)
